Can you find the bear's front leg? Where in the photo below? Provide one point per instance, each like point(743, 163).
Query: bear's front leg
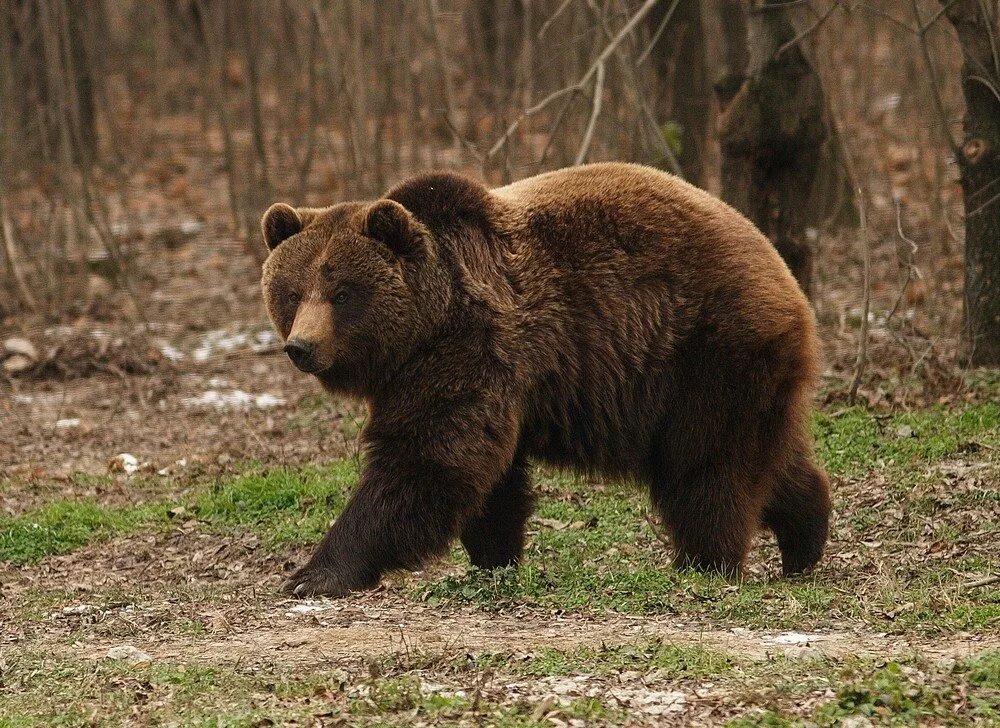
point(407, 508)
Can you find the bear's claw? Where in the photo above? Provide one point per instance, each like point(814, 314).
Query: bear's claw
point(315, 582)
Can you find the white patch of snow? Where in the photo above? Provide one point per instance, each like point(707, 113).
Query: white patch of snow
point(232, 399)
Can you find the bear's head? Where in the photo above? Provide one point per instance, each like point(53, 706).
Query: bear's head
point(352, 288)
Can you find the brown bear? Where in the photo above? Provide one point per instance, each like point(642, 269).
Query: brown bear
point(608, 317)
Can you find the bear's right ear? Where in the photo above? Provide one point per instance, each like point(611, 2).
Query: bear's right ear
point(279, 223)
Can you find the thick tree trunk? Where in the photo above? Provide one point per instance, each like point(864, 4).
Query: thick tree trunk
point(679, 58)
point(978, 26)
point(772, 132)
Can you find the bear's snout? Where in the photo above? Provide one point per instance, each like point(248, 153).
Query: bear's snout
point(301, 353)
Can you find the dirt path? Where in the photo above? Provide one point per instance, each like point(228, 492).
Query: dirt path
point(188, 597)
point(316, 632)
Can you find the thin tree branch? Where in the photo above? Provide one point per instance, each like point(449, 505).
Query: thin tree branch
point(7, 233)
point(576, 87)
point(808, 31)
point(911, 270)
point(552, 18)
point(862, 358)
point(446, 90)
point(638, 93)
point(595, 111)
point(659, 31)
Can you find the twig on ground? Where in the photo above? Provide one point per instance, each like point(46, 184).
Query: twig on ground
point(982, 582)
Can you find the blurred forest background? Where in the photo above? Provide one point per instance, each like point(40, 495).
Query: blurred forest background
point(141, 141)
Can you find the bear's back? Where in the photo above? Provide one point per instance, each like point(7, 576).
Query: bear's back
point(631, 225)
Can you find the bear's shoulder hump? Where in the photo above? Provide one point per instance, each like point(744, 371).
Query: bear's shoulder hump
point(444, 199)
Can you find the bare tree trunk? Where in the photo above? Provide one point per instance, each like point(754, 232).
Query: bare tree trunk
point(734, 168)
point(978, 27)
point(495, 28)
point(678, 55)
point(772, 134)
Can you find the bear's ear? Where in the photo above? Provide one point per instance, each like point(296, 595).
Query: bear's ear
point(279, 223)
point(392, 224)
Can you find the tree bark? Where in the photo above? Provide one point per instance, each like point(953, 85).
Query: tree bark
point(496, 33)
point(678, 55)
point(772, 133)
point(978, 27)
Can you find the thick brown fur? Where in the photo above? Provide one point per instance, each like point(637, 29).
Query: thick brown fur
point(608, 317)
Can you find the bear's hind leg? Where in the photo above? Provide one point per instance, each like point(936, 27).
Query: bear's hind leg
point(798, 511)
point(711, 517)
point(495, 537)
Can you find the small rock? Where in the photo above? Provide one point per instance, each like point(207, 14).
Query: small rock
point(129, 654)
point(307, 608)
point(20, 345)
point(124, 463)
point(17, 364)
point(68, 423)
point(803, 652)
point(18, 355)
point(855, 721)
point(553, 523)
point(80, 609)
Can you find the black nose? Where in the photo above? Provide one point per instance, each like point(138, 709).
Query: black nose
point(300, 352)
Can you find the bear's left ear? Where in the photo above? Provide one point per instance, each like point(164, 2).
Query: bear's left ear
point(279, 223)
point(392, 224)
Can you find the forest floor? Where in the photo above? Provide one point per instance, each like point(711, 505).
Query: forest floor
point(152, 598)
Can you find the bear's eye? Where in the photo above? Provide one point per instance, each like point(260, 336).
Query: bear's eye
point(293, 298)
point(340, 297)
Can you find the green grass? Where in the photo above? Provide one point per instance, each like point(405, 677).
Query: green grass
point(619, 565)
point(282, 506)
point(62, 526)
point(904, 693)
point(614, 562)
point(44, 690)
point(604, 556)
point(50, 691)
point(855, 441)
